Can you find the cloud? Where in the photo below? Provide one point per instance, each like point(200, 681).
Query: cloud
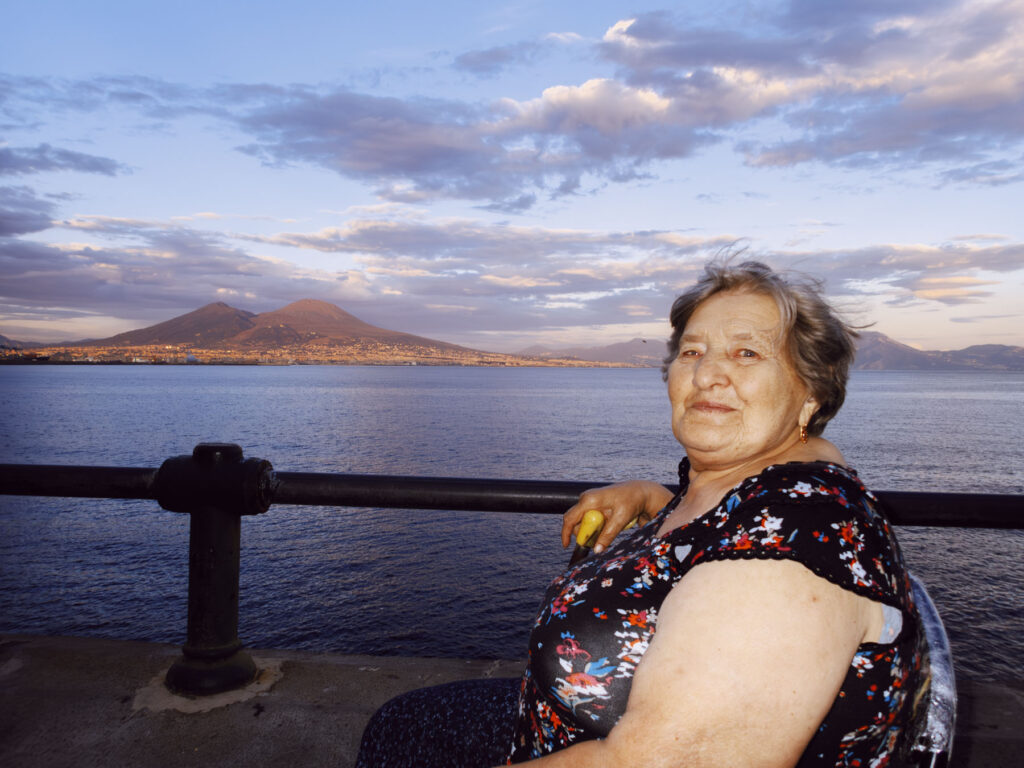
point(413, 150)
point(24, 160)
point(980, 237)
point(905, 84)
point(900, 260)
point(607, 119)
point(637, 310)
point(859, 16)
point(980, 318)
point(473, 242)
point(995, 173)
point(22, 211)
point(906, 275)
point(428, 275)
point(952, 290)
point(566, 38)
point(491, 61)
point(212, 216)
point(857, 83)
point(420, 276)
point(149, 271)
point(873, 83)
point(526, 277)
point(519, 281)
point(652, 49)
point(23, 100)
point(503, 154)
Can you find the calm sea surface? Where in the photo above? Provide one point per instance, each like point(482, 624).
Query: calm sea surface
point(439, 583)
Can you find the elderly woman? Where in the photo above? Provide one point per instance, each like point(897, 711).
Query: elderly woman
point(761, 616)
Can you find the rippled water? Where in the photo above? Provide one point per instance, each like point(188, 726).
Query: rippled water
point(443, 583)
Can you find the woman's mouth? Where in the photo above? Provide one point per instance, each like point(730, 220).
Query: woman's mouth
point(710, 407)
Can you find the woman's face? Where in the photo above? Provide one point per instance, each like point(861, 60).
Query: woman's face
point(735, 396)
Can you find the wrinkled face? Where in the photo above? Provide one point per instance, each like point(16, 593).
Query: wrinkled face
point(735, 396)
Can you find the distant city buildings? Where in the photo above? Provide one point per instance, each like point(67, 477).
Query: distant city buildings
point(355, 353)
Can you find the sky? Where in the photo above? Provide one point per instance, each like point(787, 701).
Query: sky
point(501, 175)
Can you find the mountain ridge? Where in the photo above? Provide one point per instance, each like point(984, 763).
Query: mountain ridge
point(306, 321)
point(320, 328)
point(875, 351)
point(308, 331)
point(211, 323)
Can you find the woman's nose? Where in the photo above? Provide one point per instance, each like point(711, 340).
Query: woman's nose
point(709, 370)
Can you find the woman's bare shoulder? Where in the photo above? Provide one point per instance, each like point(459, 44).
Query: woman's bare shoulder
point(817, 449)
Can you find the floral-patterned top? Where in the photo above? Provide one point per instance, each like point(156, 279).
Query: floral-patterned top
point(597, 618)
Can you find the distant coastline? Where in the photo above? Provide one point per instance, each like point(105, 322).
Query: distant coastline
point(312, 332)
point(32, 361)
point(35, 359)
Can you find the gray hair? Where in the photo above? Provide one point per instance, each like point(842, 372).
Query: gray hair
point(819, 344)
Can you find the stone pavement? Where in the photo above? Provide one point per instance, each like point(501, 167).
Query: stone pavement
point(72, 702)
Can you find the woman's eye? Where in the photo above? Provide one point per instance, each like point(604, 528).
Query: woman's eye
point(689, 352)
point(748, 353)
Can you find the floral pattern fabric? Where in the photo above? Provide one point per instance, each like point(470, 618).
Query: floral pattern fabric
point(598, 618)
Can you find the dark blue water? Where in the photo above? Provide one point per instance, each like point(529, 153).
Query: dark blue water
point(442, 583)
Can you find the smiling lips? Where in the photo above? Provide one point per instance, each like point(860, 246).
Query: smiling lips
point(706, 406)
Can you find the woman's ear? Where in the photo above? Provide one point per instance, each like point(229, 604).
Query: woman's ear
point(807, 410)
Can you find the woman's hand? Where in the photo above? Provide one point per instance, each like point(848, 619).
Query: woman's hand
point(620, 504)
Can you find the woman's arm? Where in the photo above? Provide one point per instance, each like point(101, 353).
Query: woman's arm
point(620, 503)
point(746, 661)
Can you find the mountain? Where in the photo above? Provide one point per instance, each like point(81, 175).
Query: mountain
point(878, 352)
point(205, 327)
point(6, 343)
point(632, 352)
point(318, 331)
point(990, 355)
point(308, 330)
point(875, 352)
point(219, 325)
point(324, 324)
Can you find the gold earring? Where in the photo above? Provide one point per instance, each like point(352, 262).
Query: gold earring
point(803, 433)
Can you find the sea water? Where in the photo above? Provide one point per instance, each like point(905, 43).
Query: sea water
point(431, 583)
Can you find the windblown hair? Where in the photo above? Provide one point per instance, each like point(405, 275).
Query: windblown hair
point(819, 344)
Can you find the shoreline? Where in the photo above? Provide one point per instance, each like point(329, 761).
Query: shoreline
point(524, 363)
point(515, 363)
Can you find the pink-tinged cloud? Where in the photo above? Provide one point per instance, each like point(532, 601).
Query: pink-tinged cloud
point(908, 84)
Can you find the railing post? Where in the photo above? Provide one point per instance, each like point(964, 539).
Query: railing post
point(216, 487)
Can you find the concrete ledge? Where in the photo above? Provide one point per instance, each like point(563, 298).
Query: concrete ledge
point(79, 702)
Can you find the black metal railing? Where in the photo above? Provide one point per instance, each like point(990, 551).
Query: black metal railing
point(217, 487)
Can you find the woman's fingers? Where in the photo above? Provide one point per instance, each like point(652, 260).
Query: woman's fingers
point(620, 504)
point(617, 520)
point(608, 534)
point(589, 499)
point(571, 523)
point(589, 528)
